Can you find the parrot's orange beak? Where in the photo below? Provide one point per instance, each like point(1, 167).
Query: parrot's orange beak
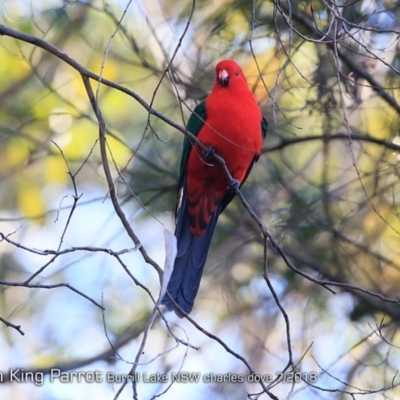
point(223, 77)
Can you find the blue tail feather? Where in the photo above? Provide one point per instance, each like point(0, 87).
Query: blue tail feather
point(190, 260)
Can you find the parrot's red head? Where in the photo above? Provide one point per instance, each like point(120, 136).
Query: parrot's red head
point(229, 74)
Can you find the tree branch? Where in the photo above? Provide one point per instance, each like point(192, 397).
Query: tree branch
point(6, 31)
point(11, 325)
point(285, 142)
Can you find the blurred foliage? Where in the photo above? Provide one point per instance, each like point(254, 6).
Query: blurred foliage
point(326, 76)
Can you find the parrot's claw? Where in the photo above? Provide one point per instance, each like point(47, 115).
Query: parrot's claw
point(208, 152)
point(233, 185)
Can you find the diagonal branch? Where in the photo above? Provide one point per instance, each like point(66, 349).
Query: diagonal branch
point(11, 325)
point(34, 40)
point(110, 181)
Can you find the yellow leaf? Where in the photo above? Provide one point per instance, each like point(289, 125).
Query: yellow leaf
point(14, 154)
point(56, 170)
point(83, 137)
point(30, 199)
point(120, 153)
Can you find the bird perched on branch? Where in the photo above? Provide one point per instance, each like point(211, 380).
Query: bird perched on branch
point(228, 123)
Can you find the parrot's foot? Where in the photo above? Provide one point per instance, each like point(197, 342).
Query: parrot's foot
point(233, 185)
point(208, 152)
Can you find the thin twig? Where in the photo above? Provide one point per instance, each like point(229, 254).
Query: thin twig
point(11, 325)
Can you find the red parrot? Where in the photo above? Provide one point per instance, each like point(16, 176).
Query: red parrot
point(229, 123)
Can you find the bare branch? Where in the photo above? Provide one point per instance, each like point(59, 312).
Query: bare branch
point(11, 325)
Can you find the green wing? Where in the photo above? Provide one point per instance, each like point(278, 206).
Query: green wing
point(264, 131)
point(264, 127)
point(194, 125)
